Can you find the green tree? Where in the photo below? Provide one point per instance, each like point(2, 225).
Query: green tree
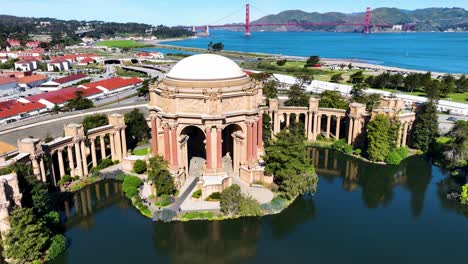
point(312, 61)
point(160, 176)
point(137, 128)
point(378, 138)
point(461, 84)
point(357, 77)
point(57, 246)
point(425, 127)
point(94, 121)
point(464, 195)
point(217, 47)
point(396, 81)
point(296, 93)
point(266, 128)
point(333, 99)
point(433, 90)
point(336, 78)
point(270, 89)
point(456, 153)
point(286, 159)
point(28, 237)
point(448, 85)
point(230, 200)
point(281, 62)
point(79, 102)
point(411, 82)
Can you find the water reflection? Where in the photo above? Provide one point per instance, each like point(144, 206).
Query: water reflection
point(376, 182)
point(80, 207)
point(232, 241)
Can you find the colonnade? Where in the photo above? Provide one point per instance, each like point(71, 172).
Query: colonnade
point(72, 151)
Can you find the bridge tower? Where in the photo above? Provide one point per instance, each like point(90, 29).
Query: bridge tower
point(247, 19)
point(368, 21)
point(207, 30)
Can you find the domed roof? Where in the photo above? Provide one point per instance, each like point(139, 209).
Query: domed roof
point(208, 67)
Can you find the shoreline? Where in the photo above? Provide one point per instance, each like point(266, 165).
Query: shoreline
point(360, 63)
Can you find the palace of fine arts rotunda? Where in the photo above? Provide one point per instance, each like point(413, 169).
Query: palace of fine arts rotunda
point(206, 116)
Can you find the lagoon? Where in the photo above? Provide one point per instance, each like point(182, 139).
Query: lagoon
point(361, 213)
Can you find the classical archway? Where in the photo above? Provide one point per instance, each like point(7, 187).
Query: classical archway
point(195, 154)
point(231, 152)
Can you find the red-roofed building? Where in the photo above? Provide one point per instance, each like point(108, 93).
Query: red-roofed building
point(60, 83)
point(112, 85)
point(14, 43)
point(87, 61)
point(32, 81)
point(13, 110)
point(33, 44)
point(80, 57)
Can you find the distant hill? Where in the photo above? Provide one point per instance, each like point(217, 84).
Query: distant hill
point(428, 19)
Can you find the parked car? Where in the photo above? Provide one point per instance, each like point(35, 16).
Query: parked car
point(453, 119)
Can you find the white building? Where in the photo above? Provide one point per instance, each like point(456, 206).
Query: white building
point(58, 65)
point(24, 65)
point(8, 85)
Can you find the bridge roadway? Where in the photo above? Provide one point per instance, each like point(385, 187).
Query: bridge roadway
point(52, 125)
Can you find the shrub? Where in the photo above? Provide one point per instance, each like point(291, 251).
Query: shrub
point(214, 196)
point(57, 246)
point(139, 167)
point(248, 206)
point(64, 180)
point(281, 62)
point(393, 158)
point(339, 144)
point(164, 200)
point(197, 194)
point(130, 186)
point(464, 195)
point(403, 152)
point(105, 163)
point(358, 152)
point(348, 149)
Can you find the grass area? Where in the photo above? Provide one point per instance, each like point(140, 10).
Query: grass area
point(142, 152)
point(123, 73)
point(197, 215)
point(131, 44)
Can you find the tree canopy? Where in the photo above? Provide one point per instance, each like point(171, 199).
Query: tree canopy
point(286, 159)
point(137, 128)
point(425, 127)
point(94, 121)
point(333, 99)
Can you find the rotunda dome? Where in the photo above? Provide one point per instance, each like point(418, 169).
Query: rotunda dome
point(206, 67)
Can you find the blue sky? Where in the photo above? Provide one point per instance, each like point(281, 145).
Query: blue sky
point(189, 12)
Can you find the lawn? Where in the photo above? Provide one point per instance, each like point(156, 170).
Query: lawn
point(123, 73)
point(141, 152)
point(122, 44)
point(454, 97)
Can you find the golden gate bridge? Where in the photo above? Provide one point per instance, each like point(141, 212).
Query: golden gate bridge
point(366, 24)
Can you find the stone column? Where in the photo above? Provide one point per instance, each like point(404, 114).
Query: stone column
point(276, 124)
point(43, 171)
point(124, 143)
point(319, 125)
point(338, 124)
point(154, 135)
point(85, 160)
point(111, 140)
point(288, 120)
point(93, 152)
point(103, 147)
point(60, 161)
point(71, 161)
point(327, 135)
point(118, 145)
point(52, 169)
point(78, 159)
point(398, 142)
point(310, 122)
point(357, 129)
point(249, 141)
point(174, 146)
point(297, 118)
point(350, 130)
point(36, 169)
point(260, 130)
point(167, 150)
point(405, 134)
point(254, 141)
point(219, 148)
point(208, 148)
